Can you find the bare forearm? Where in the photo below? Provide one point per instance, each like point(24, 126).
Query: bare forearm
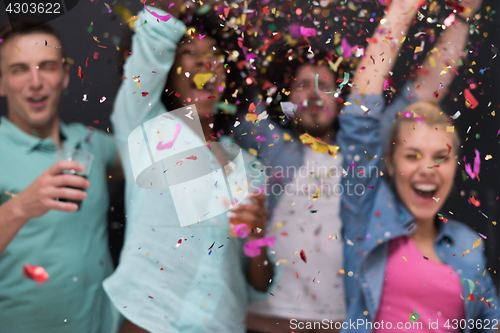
point(384, 46)
point(260, 271)
point(11, 221)
point(438, 70)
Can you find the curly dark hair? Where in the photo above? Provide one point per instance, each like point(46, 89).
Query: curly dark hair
point(210, 25)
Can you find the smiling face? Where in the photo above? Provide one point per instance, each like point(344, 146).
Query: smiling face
point(198, 73)
point(32, 79)
point(316, 110)
point(423, 167)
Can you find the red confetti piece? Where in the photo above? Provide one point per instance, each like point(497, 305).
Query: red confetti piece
point(151, 297)
point(471, 297)
point(87, 62)
point(96, 121)
point(144, 94)
point(211, 97)
point(35, 273)
point(443, 219)
point(303, 256)
point(226, 11)
point(297, 275)
point(96, 55)
point(80, 72)
point(470, 99)
point(485, 301)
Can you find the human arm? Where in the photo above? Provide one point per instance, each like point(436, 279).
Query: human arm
point(448, 52)
point(383, 49)
point(145, 72)
point(40, 197)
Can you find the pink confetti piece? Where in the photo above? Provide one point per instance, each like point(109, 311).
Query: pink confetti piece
point(477, 164)
point(252, 249)
point(242, 230)
point(347, 49)
point(160, 17)
point(307, 31)
point(170, 144)
point(482, 236)
point(449, 20)
point(35, 273)
point(192, 157)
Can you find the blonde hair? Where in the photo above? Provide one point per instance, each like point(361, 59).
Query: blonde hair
point(420, 112)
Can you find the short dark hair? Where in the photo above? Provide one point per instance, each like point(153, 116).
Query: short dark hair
point(283, 67)
point(27, 26)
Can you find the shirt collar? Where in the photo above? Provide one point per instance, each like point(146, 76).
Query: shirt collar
point(444, 231)
point(27, 143)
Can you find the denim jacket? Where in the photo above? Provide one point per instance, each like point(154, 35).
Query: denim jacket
point(375, 216)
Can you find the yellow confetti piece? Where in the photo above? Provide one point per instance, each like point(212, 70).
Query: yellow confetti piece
point(418, 49)
point(147, 254)
point(405, 259)
point(450, 129)
point(251, 117)
point(419, 156)
point(341, 271)
point(432, 61)
point(10, 194)
point(347, 103)
point(465, 252)
point(271, 144)
point(470, 70)
point(364, 108)
point(316, 196)
point(69, 60)
point(318, 145)
point(293, 203)
point(179, 70)
point(161, 136)
point(201, 78)
point(132, 19)
point(477, 243)
point(238, 189)
point(287, 137)
point(252, 151)
point(494, 222)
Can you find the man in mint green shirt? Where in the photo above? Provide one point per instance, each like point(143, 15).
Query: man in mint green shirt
point(35, 227)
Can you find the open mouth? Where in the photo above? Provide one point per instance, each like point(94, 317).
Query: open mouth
point(425, 191)
point(38, 101)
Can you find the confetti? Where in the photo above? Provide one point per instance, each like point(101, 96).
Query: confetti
point(252, 249)
point(471, 101)
point(289, 109)
point(192, 157)
point(200, 79)
point(476, 243)
point(170, 144)
point(303, 256)
point(36, 273)
point(160, 17)
point(414, 316)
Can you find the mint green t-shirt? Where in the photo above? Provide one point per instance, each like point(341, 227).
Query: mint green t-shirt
point(71, 247)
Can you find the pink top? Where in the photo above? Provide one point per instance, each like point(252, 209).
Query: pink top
point(431, 288)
